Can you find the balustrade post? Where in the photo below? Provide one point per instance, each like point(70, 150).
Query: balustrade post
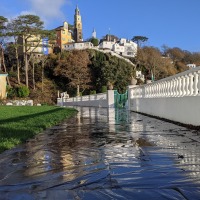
point(179, 86)
point(187, 85)
point(159, 89)
point(153, 86)
point(183, 85)
point(168, 88)
point(191, 83)
point(198, 84)
point(164, 93)
point(195, 83)
point(147, 88)
point(175, 87)
point(171, 88)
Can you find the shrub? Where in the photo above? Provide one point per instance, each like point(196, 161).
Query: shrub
point(11, 92)
point(22, 91)
point(93, 92)
point(104, 89)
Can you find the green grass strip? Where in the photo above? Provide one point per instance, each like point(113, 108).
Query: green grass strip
point(19, 123)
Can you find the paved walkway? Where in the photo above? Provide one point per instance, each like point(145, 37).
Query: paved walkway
point(104, 154)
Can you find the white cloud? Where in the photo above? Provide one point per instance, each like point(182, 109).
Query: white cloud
point(49, 10)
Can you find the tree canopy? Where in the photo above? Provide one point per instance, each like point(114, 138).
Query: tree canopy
point(139, 40)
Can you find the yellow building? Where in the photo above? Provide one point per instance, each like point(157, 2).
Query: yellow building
point(3, 84)
point(64, 36)
point(35, 45)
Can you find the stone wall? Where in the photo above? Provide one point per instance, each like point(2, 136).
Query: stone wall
point(105, 100)
point(20, 103)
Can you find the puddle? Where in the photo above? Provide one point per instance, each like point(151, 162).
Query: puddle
point(105, 154)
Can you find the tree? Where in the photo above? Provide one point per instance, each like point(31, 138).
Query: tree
point(3, 21)
point(109, 70)
point(74, 66)
point(94, 41)
point(178, 56)
point(30, 27)
point(14, 31)
point(154, 64)
point(139, 40)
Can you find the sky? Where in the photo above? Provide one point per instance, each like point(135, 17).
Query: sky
point(174, 23)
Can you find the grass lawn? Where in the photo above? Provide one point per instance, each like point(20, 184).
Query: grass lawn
point(18, 123)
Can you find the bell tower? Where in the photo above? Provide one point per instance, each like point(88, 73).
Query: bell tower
point(78, 35)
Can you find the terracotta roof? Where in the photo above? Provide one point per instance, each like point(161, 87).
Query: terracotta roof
point(59, 28)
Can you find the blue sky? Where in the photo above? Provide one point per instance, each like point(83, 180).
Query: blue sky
point(174, 23)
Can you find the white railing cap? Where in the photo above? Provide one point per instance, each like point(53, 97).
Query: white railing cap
point(176, 75)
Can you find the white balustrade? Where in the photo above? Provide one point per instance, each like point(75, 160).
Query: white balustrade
point(101, 96)
point(183, 84)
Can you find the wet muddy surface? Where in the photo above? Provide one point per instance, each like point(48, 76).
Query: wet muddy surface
point(105, 154)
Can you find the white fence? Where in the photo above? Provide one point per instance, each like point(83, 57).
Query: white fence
point(105, 100)
point(176, 98)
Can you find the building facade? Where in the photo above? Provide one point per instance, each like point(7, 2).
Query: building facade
point(122, 47)
point(63, 36)
point(35, 45)
point(78, 46)
point(3, 84)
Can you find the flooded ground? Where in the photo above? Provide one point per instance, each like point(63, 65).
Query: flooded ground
point(105, 154)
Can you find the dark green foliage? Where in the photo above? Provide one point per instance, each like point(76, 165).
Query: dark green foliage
point(22, 91)
point(103, 89)
point(93, 92)
point(94, 41)
point(11, 92)
point(110, 70)
point(139, 39)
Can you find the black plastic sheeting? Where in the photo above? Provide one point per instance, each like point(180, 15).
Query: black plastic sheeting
point(105, 154)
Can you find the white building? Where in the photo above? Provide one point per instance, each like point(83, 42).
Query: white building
point(191, 66)
point(123, 47)
point(78, 46)
point(106, 45)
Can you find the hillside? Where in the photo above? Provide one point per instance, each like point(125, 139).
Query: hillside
point(90, 71)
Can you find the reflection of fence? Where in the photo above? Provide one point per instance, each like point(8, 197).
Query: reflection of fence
point(97, 100)
point(120, 99)
point(175, 98)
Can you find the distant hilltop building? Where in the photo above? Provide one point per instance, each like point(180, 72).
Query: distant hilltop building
point(70, 37)
point(67, 33)
point(122, 47)
point(191, 66)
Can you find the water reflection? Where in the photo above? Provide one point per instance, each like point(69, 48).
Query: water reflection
point(105, 154)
